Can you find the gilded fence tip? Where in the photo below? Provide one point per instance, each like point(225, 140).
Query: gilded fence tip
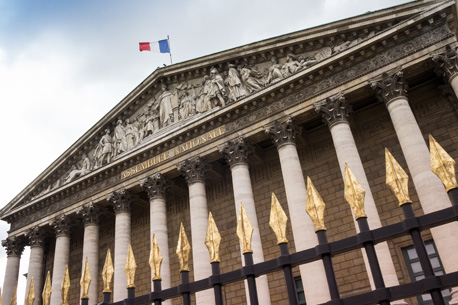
point(213, 239)
point(107, 272)
point(397, 179)
point(155, 259)
point(442, 164)
point(244, 230)
point(130, 267)
point(30, 297)
point(65, 287)
point(278, 220)
point(0, 296)
point(315, 206)
point(85, 280)
point(14, 297)
point(183, 249)
point(354, 193)
point(47, 290)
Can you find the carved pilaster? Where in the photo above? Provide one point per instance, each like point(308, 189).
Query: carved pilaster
point(236, 151)
point(61, 225)
point(35, 237)
point(283, 132)
point(13, 245)
point(120, 200)
point(334, 110)
point(193, 170)
point(90, 213)
point(446, 62)
point(390, 86)
point(155, 186)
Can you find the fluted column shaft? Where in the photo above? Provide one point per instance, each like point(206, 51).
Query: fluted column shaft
point(430, 189)
point(89, 213)
point(61, 256)
point(236, 153)
point(35, 271)
point(156, 186)
point(14, 250)
point(121, 201)
point(194, 170)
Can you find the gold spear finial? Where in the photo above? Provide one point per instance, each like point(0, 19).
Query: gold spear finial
point(213, 239)
point(65, 287)
point(278, 220)
point(0, 296)
point(244, 230)
point(155, 259)
point(354, 193)
point(30, 294)
point(397, 179)
point(47, 290)
point(442, 164)
point(183, 249)
point(14, 297)
point(315, 206)
point(85, 281)
point(107, 272)
point(130, 267)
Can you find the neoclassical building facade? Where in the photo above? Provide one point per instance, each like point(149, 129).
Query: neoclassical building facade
point(236, 126)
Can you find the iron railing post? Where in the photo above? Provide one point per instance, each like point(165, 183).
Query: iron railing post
point(423, 256)
point(185, 281)
point(453, 195)
point(157, 287)
point(106, 297)
point(130, 296)
point(328, 268)
point(288, 273)
point(84, 301)
point(251, 279)
point(372, 258)
point(217, 287)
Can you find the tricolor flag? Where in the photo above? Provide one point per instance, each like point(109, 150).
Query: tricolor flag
point(161, 46)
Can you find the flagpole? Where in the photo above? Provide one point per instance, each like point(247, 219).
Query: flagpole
point(170, 49)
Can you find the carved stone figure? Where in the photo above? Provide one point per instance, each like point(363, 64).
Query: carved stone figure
point(150, 127)
point(119, 139)
point(131, 135)
point(104, 150)
point(234, 84)
point(165, 107)
point(138, 129)
point(274, 72)
point(217, 91)
point(291, 66)
point(86, 167)
point(203, 101)
point(251, 78)
point(187, 102)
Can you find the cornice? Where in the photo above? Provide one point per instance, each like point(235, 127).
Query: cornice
point(183, 132)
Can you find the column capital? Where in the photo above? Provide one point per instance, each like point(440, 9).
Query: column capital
point(14, 246)
point(35, 236)
point(334, 110)
point(283, 131)
point(390, 86)
point(155, 186)
point(236, 151)
point(120, 200)
point(61, 225)
point(90, 213)
point(193, 170)
point(446, 62)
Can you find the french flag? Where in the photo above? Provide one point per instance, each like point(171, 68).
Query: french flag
point(161, 46)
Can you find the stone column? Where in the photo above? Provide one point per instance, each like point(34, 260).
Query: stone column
point(392, 91)
point(447, 66)
point(193, 171)
point(156, 186)
point(90, 216)
point(236, 153)
point(61, 225)
point(121, 201)
point(313, 276)
point(335, 112)
point(36, 238)
point(14, 247)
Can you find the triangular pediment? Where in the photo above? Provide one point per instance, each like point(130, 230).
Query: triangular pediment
point(174, 101)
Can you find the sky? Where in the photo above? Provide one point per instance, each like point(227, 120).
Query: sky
point(65, 64)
